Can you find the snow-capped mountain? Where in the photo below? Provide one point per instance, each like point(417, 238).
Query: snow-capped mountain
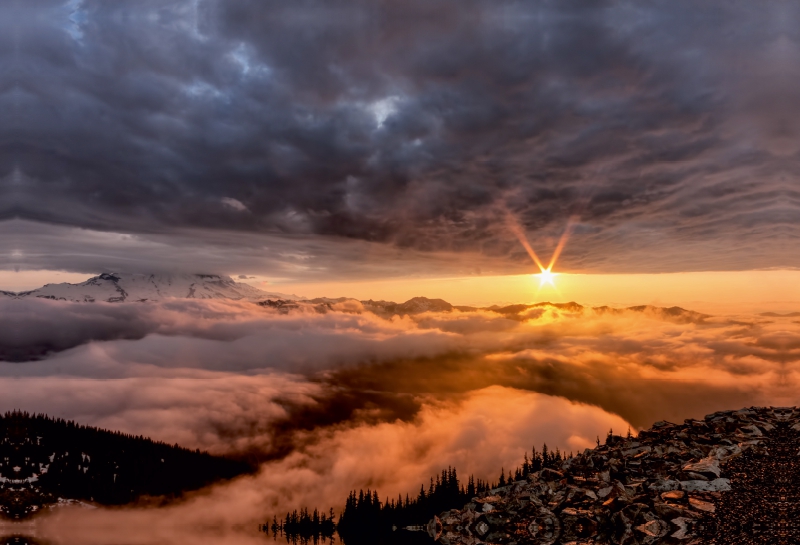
point(119, 287)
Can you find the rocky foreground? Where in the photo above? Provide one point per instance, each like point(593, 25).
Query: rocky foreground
point(731, 478)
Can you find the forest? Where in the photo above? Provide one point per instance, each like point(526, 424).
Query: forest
point(368, 519)
point(43, 459)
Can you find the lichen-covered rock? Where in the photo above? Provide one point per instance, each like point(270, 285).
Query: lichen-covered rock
point(665, 486)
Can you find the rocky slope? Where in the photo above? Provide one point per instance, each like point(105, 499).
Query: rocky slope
point(119, 287)
point(727, 479)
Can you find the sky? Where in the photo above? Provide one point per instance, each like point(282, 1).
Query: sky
point(348, 139)
point(386, 150)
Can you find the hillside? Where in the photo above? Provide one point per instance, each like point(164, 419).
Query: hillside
point(44, 461)
point(728, 478)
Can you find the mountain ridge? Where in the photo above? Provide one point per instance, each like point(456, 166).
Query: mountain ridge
point(133, 287)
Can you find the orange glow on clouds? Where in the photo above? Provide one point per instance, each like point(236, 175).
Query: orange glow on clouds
point(474, 389)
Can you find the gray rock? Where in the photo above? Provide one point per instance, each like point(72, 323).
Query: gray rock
point(663, 486)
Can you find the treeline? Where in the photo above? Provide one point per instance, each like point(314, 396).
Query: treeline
point(58, 458)
point(369, 519)
point(366, 514)
point(16, 423)
point(304, 526)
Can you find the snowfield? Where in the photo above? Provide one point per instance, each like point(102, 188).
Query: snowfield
point(121, 287)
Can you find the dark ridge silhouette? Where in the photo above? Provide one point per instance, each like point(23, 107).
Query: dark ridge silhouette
point(415, 305)
point(46, 461)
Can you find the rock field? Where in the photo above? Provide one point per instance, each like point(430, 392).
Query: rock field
point(728, 479)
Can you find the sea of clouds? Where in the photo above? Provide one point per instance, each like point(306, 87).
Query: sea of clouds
point(326, 400)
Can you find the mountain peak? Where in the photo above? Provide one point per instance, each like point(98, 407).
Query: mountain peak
point(114, 287)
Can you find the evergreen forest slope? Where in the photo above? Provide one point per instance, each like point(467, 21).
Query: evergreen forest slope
point(46, 461)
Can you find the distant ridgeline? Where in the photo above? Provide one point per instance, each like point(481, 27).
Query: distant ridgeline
point(46, 461)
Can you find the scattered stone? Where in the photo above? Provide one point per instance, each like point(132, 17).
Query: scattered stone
point(674, 495)
point(701, 505)
point(727, 479)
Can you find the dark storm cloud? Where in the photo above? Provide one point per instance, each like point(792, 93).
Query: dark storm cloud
point(414, 124)
point(26, 245)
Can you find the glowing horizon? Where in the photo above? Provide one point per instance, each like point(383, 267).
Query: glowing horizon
point(723, 291)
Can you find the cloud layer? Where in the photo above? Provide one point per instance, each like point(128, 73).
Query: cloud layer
point(250, 381)
point(327, 402)
point(407, 125)
point(557, 348)
point(484, 431)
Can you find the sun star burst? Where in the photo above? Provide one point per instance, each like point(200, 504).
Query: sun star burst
point(547, 277)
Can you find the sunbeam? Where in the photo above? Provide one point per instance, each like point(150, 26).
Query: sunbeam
point(516, 228)
point(561, 243)
point(546, 274)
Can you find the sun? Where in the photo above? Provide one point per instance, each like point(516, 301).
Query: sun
point(547, 277)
